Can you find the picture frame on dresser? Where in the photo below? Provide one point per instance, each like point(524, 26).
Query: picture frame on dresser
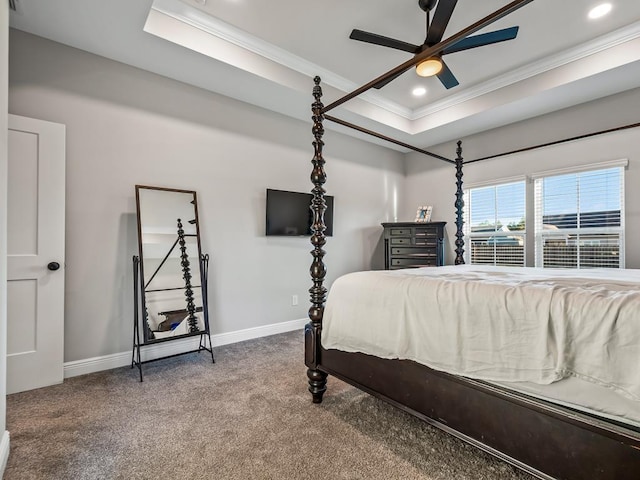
point(423, 214)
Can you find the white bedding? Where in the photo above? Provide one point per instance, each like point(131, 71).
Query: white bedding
point(582, 395)
point(504, 324)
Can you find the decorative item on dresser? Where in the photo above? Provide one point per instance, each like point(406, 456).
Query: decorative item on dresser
point(413, 244)
point(423, 214)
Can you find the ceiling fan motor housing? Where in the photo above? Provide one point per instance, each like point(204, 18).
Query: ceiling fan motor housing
point(427, 5)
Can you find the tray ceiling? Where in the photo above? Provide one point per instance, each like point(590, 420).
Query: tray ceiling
point(266, 53)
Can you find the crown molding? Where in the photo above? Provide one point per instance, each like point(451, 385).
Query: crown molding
point(216, 27)
point(613, 39)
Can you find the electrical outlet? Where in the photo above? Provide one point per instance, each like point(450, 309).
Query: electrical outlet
point(294, 300)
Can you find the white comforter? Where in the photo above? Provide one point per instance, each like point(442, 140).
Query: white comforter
point(495, 323)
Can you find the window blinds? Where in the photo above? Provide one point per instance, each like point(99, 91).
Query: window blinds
point(579, 219)
point(495, 224)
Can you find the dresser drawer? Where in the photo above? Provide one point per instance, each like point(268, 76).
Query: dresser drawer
point(426, 242)
point(427, 232)
point(406, 232)
point(400, 241)
point(412, 262)
point(414, 252)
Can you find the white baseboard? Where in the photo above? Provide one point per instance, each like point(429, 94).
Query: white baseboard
point(116, 360)
point(4, 452)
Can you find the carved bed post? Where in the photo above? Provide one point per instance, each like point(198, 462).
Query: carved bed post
point(192, 320)
point(317, 378)
point(459, 204)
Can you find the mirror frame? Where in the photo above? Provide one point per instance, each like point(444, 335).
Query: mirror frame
point(147, 336)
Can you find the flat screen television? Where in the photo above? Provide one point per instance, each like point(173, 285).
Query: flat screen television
point(289, 214)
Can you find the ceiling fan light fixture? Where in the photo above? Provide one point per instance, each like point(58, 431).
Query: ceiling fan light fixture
point(429, 67)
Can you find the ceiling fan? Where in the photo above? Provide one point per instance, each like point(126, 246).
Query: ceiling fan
point(435, 30)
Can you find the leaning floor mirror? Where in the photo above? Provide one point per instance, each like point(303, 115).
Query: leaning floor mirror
point(170, 273)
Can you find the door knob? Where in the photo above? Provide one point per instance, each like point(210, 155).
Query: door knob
point(53, 266)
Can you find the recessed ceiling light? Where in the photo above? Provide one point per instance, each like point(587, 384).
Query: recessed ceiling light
point(419, 91)
point(600, 10)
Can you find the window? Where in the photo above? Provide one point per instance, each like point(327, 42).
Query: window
point(495, 224)
point(579, 219)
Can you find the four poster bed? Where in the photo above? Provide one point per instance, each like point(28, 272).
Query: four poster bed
point(524, 400)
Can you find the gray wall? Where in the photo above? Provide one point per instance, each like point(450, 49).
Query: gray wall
point(126, 126)
point(4, 56)
point(430, 181)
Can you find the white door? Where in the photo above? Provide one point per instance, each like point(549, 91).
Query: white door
point(35, 244)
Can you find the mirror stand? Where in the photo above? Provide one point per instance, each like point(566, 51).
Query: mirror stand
point(205, 334)
point(170, 274)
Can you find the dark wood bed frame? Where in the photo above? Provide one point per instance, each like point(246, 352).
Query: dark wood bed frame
point(544, 439)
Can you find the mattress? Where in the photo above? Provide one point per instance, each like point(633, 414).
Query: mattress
point(582, 395)
point(546, 333)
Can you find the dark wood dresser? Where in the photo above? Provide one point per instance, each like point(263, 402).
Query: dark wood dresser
point(411, 244)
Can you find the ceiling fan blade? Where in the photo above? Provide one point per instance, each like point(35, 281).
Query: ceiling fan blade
point(447, 77)
point(383, 41)
point(389, 80)
point(441, 18)
point(482, 40)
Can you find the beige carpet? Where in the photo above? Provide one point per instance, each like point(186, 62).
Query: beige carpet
point(249, 416)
